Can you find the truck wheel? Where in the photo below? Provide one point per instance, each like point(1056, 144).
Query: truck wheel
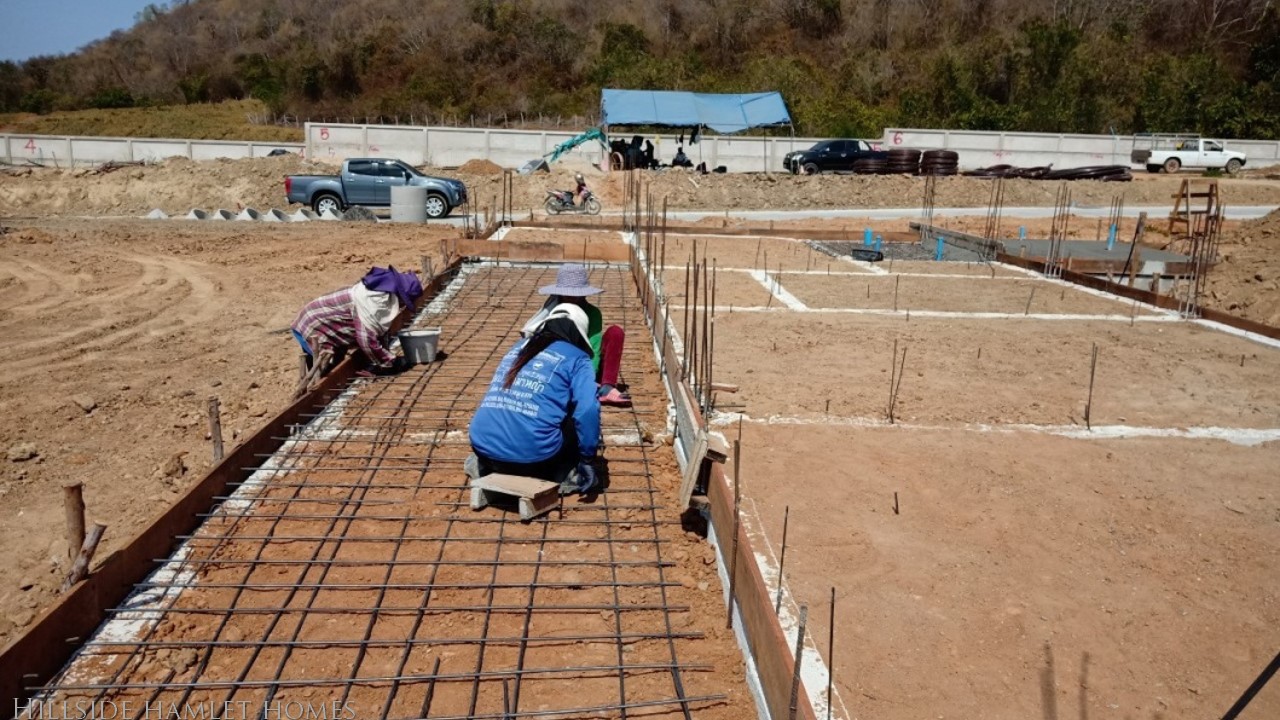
point(1233, 166)
point(437, 207)
point(1153, 168)
point(811, 169)
point(1172, 165)
point(326, 201)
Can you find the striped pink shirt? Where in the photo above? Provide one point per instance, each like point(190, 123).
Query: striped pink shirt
point(331, 321)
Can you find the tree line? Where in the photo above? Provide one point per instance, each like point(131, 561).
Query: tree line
point(845, 67)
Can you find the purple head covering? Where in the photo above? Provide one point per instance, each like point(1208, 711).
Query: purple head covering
point(405, 285)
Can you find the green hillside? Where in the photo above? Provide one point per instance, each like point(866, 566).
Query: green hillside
point(846, 67)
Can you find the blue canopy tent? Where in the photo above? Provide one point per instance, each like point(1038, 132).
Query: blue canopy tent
point(724, 113)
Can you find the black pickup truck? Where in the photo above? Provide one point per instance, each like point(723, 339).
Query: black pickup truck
point(831, 156)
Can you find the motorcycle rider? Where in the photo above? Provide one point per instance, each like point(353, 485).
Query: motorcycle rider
point(580, 192)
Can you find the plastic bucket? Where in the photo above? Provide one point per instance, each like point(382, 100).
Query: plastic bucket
point(420, 345)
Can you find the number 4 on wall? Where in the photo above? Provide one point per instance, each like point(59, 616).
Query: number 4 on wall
point(30, 146)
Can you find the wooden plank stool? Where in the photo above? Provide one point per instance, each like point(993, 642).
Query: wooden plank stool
point(533, 497)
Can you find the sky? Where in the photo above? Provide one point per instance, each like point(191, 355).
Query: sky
point(50, 27)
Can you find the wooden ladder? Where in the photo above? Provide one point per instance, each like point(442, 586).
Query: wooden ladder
point(1187, 215)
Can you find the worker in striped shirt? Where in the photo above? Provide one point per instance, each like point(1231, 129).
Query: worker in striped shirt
point(358, 316)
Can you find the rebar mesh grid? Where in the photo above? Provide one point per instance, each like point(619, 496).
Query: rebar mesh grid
point(349, 569)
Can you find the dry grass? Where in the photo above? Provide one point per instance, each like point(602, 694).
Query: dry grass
point(222, 121)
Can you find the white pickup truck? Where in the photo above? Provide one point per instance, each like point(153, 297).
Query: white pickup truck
point(1171, 153)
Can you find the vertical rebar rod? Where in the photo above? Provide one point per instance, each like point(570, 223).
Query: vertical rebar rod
point(737, 524)
point(1088, 406)
point(688, 310)
point(1254, 688)
point(711, 342)
point(831, 651)
point(782, 560)
point(704, 377)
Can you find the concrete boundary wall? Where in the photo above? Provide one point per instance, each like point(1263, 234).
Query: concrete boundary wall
point(983, 149)
point(65, 151)
point(451, 147)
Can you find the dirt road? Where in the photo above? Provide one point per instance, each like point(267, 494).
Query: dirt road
point(177, 185)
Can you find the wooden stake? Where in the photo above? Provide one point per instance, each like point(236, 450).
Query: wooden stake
point(895, 379)
point(215, 428)
point(80, 569)
point(893, 375)
point(73, 504)
point(896, 510)
point(1030, 297)
point(896, 279)
point(737, 524)
point(795, 676)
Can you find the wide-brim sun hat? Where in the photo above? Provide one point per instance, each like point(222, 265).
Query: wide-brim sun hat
point(571, 281)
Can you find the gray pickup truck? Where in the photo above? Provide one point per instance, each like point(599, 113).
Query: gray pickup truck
point(368, 182)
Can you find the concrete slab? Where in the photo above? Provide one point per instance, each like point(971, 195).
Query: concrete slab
point(1090, 250)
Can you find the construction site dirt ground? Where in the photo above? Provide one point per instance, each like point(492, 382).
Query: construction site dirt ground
point(1036, 566)
point(1025, 575)
point(143, 320)
point(115, 335)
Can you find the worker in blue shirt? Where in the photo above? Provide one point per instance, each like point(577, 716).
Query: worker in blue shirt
point(541, 415)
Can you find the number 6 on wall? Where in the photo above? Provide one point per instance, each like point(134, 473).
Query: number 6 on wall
point(897, 138)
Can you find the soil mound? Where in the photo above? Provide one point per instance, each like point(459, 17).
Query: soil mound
point(480, 167)
point(1246, 280)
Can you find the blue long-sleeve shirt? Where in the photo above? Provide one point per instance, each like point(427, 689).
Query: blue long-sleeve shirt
point(524, 423)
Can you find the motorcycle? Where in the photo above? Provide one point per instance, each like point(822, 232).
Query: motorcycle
point(561, 201)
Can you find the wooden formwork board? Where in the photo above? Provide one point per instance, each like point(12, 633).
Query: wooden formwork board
point(530, 250)
point(768, 644)
point(1146, 296)
point(766, 641)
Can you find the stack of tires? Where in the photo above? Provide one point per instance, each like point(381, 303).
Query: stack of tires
point(903, 161)
point(939, 162)
point(869, 166)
